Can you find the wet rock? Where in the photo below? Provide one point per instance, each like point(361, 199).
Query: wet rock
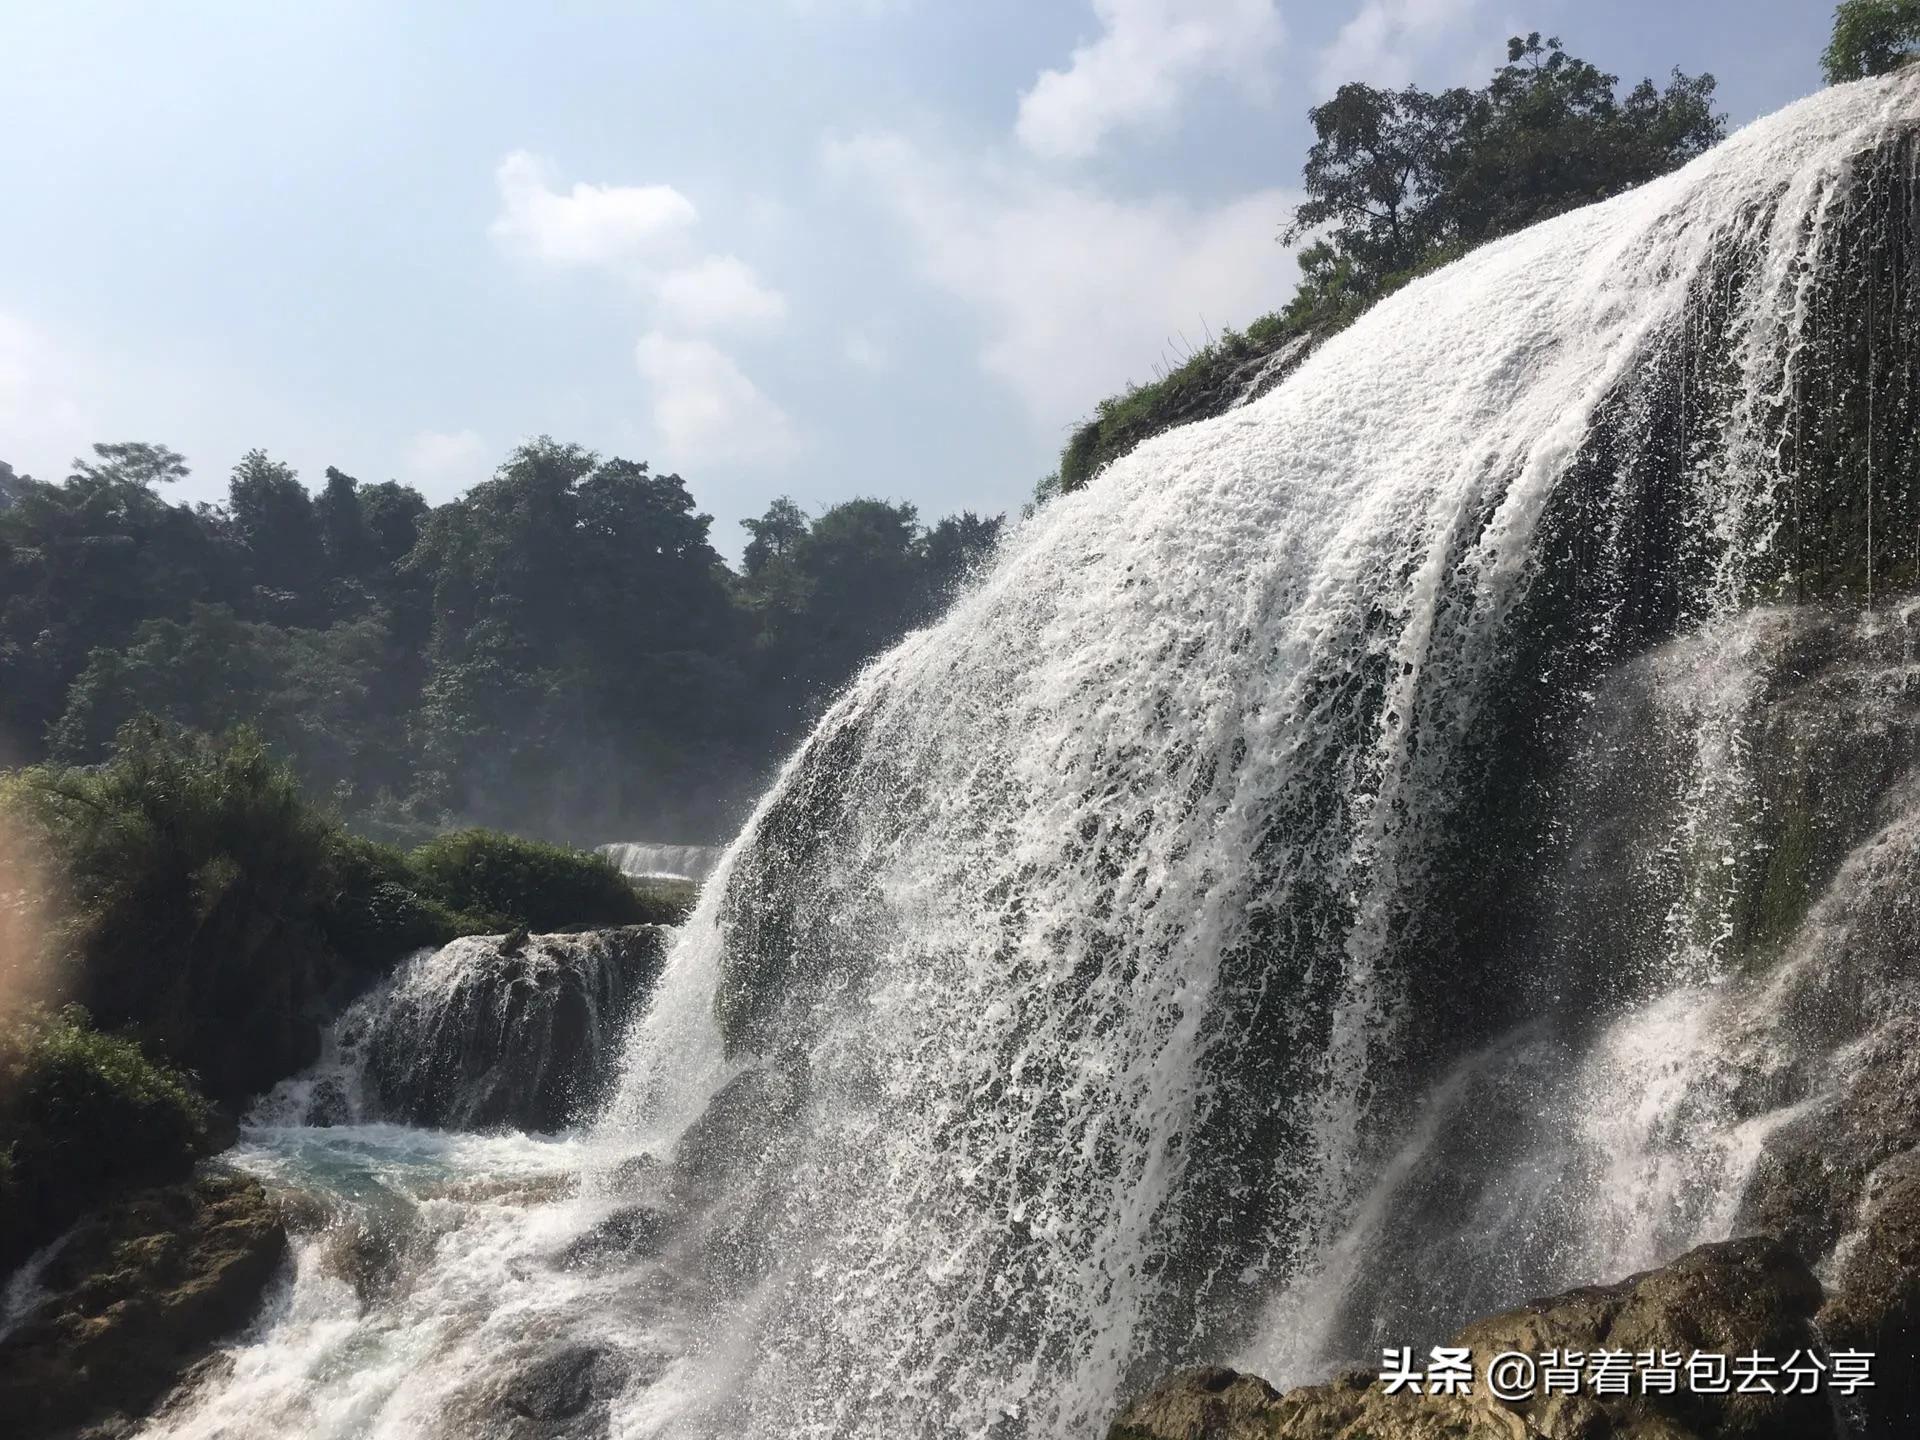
point(565, 1385)
point(138, 1294)
point(634, 1170)
point(1844, 995)
point(1875, 1305)
point(562, 1393)
point(747, 1127)
point(747, 1116)
point(518, 1031)
point(629, 1233)
point(1206, 1404)
point(1732, 1298)
point(329, 1105)
point(376, 1253)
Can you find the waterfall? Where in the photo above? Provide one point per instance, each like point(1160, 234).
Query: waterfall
point(1113, 927)
point(485, 1032)
point(646, 861)
point(1339, 817)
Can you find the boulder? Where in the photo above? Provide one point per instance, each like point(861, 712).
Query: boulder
point(517, 1031)
point(1731, 1298)
point(562, 1394)
point(138, 1294)
point(629, 1233)
point(563, 1391)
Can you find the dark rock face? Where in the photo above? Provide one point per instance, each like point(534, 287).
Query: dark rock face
point(497, 1031)
point(1732, 1298)
point(561, 1393)
point(1875, 1304)
point(137, 1295)
point(565, 1394)
point(628, 1233)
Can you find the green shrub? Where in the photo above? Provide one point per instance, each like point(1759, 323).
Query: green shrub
point(1204, 385)
point(374, 910)
point(193, 874)
point(499, 882)
point(82, 1114)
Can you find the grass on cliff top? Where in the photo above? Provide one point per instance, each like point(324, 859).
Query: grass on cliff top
point(1201, 386)
point(1193, 390)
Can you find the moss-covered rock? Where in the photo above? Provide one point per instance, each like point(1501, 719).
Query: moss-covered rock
point(137, 1293)
point(1241, 365)
point(82, 1115)
point(1732, 1299)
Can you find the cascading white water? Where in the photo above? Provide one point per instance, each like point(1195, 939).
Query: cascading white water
point(646, 861)
point(484, 1032)
point(1059, 1009)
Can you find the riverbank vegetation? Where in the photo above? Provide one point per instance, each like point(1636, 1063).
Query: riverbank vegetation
point(207, 906)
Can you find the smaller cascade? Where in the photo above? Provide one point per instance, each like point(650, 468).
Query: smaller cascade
point(1258, 376)
point(489, 1032)
point(643, 860)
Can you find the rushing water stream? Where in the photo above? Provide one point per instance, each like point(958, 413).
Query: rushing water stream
point(1303, 895)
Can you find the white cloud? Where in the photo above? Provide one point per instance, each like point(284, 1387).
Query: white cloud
point(1148, 55)
point(1077, 291)
point(705, 409)
point(445, 462)
point(1386, 41)
point(717, 293)
point(610, 226)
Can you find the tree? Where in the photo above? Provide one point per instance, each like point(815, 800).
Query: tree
point(132, 462)
point(343, 525)
point(1381, 161)
point(1550, 134)
point(392, 514)
point(774, 534)
point(583, 639)
point(955, 548)
point(1871, 37)
point(82, 564)
point(274, 519)
point(307, 692)
point(561, 650)
point(12, 485)
point(1400, 179)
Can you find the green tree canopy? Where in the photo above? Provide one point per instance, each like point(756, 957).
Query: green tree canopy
point(1396, 177)
point(1871, 37)
point(273, 517)
point(132, 462)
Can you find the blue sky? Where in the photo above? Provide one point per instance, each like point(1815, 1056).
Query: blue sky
point(812, 247)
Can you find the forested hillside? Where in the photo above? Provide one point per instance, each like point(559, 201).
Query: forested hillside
point(560, 651)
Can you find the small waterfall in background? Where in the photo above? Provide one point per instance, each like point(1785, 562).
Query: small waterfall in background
point(645, 861)
point(1419, 839)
